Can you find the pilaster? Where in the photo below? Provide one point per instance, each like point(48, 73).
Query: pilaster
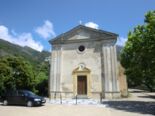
point(55, 73)
point(110, 72)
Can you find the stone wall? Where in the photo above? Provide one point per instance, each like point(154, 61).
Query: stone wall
point(91, 58)
point(122, 81)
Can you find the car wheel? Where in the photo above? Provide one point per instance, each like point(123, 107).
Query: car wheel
point(5, 102)
point(29, 104)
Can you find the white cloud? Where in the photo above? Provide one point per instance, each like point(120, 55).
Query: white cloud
point(24, 39)
point(92, 25)
point(4, 33)
point(121, 41)
point(46, 30)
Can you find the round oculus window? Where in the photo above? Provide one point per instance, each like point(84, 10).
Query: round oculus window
point(81, 48)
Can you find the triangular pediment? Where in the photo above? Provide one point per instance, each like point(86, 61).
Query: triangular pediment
point(79, 69)
point(82, 33)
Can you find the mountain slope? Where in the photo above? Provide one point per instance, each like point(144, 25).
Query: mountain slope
point(118, 50)
point(7, 48)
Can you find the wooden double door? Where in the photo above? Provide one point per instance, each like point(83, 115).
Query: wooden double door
point(82, 85)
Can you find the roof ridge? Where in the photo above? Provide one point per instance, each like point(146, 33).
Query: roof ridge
point(84, 27)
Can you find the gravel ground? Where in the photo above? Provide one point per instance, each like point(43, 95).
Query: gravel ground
point(139, 104)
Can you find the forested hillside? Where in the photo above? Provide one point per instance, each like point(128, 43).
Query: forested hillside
point(23, 68)
point(7, 48)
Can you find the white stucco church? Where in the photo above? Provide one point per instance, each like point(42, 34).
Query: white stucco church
point(84, 63)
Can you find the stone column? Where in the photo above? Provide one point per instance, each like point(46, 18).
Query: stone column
point(52, 73)
point(110, 72)
point(58, 72)
point(55, 71)
point(116, 88)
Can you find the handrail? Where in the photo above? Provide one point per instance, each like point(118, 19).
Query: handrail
point(76, 99)
point(60, 99)
point(101, 95)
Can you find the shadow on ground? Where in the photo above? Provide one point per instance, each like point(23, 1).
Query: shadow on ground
point(1, 104)
point(148, 96)
point(133, 106)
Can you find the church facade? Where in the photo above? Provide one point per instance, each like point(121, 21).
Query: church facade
point(84, 64)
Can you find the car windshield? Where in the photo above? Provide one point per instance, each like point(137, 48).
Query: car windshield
point(29, 93)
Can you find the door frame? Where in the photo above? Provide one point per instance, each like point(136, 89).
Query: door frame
point(84, 72)
point(85, 84)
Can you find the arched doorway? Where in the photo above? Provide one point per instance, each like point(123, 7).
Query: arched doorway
point(81, 81)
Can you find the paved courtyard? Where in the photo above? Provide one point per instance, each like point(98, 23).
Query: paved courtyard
point(139, 104)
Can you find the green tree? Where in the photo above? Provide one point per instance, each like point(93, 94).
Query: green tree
point(138, 55)
point(41, 76)
point(15, 73)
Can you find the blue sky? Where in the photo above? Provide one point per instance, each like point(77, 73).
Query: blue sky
point(33, 22)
